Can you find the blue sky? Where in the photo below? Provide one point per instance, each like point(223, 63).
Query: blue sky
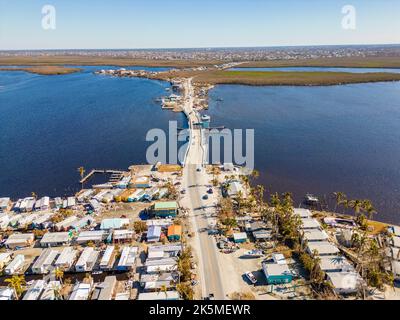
point(188, 23)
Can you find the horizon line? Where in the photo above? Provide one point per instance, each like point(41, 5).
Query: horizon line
point(212, 47)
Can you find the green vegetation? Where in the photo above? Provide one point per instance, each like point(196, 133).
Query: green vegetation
point(275, 78)
point(17, 283)
point(45, 70)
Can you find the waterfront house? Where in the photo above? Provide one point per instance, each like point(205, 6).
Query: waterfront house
point(108, 259)
point(123, 236)
point(42, 204)
point(6, 294)
point(127, 259)
point(345, 282)
point(116, 223)
point(66, 259)
point(240, 237)
point(153, 234)
point(45, 261)
point(235, 188)
point(16, 265)
point(81, 291)
point(277, 273)
point(49, 292)
point(55, 239)
point(84, 195)
point(174, 232)
point(87, 260)
point(42, 221)
point(58, 202)
point(5, 258)
point(165, 209)
point(20, 240)
point(96, 236)
point(5, 204)
point(323, 248)
point(34, 290)
point(140, 182)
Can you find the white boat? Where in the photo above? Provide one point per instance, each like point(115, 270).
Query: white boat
point(310, 199)
point(254, 253)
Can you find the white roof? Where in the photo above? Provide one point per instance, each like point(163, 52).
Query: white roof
point(128, 257)
point(335, 263)
point(279, 258)
point(67, 222)
point(80, 292)
point(34, 290)
point(46, 258)
point(48, 293)
point(4, 202)
point(309, 223)
point(240, 236)
point(396, 268)
point(395, 241)
point(275, 269)
point(6, 294)
point(303, 213)
point(315, 235)
point(345, 281)
point(107, 255)
point(19, 238)
point(86, 236)
point(396, 230)
point(85, 256)
point(67, 256)
point(55, 237)
point(323, 248)
point(5, 256)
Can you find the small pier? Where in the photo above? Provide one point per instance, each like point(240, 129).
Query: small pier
point(115, 174)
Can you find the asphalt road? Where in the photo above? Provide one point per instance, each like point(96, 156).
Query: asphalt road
point(195, 183)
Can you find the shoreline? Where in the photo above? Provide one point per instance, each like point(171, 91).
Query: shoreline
point(44, 70)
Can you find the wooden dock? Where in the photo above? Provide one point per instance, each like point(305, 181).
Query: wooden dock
point(103, 171)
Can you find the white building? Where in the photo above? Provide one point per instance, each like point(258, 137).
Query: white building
point(50, 289)
point(81, 291)
point(87, 260)
point(345, 282)
point(128, 258)
point(19, 240)
point(108, 258)
point(34, 290)
point(6, 294)
point(91, 236)
point(5, 258)
point(66, 259)
point(16, 265)
point(324, 248)
point(55, 239)
point(45, 261)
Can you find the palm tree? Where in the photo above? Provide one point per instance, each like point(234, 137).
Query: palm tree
point(340, 197)
point(255, 174)
point(369, 209)
point(17, 283)
point(81, 171)
point(59, 274)
point(34, 195)
point(356, 205)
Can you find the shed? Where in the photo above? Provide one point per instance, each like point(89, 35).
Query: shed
point(240, 237)
point(174, 232)
point(277, 273)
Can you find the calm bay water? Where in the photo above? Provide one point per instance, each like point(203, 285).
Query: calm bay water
point(51, 125)
point(321, 139)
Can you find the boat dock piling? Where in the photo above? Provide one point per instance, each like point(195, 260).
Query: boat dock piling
point(114, 174)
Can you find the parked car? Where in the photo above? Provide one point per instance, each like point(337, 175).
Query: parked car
point(251, 277)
